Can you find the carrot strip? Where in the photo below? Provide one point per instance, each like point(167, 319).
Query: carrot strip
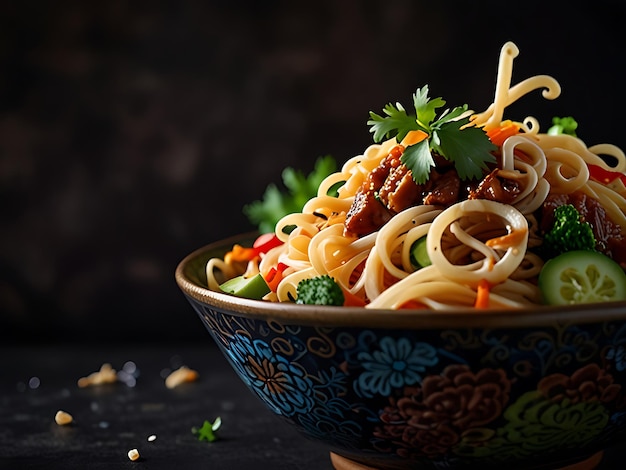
point(482, 294)
point(499, 134)
point(351, 300)
point(239, 253)
point(412, 305)
point(413, 137)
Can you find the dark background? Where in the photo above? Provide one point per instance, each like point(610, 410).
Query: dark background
point(132, 133)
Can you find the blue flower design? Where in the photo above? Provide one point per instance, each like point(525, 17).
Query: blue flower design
point(282, 385)
point(394, 365)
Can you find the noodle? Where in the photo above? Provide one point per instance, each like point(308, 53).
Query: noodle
point(472, 241)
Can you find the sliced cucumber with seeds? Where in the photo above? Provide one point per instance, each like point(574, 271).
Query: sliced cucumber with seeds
point(580, 277)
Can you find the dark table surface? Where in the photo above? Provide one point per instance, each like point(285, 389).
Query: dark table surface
point(111, 419)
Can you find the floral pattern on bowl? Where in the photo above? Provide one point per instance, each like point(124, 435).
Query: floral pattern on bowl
point(436, 398)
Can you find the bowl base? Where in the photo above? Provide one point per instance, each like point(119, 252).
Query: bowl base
point(342, 463)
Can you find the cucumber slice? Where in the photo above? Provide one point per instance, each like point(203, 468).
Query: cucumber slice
point(252, 288)
point(579, 277)
point(419, 253)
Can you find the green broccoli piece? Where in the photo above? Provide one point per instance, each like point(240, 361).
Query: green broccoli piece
point(563, 125)
point(569, 232)
point(278, 202)
point(319, 290)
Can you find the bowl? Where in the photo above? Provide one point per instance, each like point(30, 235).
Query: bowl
point(386, 389)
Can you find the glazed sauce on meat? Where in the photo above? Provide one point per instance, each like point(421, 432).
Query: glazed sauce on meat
point(496, 187)
point(390, 189)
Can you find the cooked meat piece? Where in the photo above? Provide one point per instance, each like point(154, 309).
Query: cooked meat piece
point(399, 190)
point(390, 189)
point(494, 187)
point(366, 215)
point(445, 189)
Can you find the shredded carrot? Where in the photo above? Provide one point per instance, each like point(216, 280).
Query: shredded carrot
point(413, 137)
point(351, 300)
point(412, 305)
point(499, 134)
point(482, 294)
point(239, 253)
point(505, 242)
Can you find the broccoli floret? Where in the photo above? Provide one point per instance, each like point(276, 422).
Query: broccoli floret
point(319, 290)
point(569, 231)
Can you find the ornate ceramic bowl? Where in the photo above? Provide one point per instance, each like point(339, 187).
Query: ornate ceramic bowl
point(414, 389)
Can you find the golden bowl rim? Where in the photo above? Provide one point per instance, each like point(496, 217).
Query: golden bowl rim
point(359, 317)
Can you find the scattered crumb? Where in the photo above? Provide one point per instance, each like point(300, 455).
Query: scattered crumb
point(106, 374)
point(62, 418)
point(133, 454)
point(180, 376)
point(152, 438)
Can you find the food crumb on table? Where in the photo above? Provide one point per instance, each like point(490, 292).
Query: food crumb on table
point(63, 418)
point(179, 376)
point(133, 454)
point(106, 374)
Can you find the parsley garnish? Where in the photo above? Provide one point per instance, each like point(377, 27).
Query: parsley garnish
point(468, 148)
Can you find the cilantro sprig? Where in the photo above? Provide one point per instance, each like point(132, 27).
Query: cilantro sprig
point(298, 189)
point(468, 148)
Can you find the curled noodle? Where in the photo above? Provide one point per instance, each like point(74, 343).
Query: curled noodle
point(470, 242)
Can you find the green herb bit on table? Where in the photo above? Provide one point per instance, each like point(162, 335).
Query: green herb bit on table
point(208, 431)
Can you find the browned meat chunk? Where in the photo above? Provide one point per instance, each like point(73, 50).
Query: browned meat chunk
point(494, 187)
point(390, 189)
point(366, 215)
point(445, 189)
point(399, 191)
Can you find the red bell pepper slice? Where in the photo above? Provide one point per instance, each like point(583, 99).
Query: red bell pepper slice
point(262, 244)
point(266, 242)
point(603, 176)
point(275, 275)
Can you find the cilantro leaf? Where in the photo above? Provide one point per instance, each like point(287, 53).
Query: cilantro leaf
point(425, 107)
point(469, 148)
point(397, 123)
point(418, 158)
point(298, 189)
